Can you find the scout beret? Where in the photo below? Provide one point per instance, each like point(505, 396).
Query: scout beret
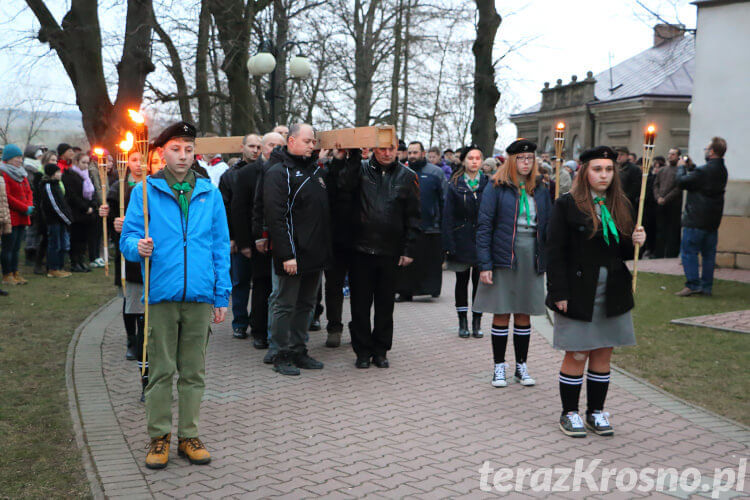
point(465, 151)
point(520, 146)
point(598, 152)
point(179, 129)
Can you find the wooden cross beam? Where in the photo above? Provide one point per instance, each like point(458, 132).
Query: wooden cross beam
point(347, 138)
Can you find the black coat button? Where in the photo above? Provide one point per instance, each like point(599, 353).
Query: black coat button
point(578, 273)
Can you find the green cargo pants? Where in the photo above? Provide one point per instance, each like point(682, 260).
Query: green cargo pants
point(177, 339)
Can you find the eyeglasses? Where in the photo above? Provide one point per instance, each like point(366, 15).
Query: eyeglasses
point(527, 159)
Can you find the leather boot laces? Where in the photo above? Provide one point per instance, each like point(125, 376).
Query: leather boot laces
point(157, 445)
point(194, 443)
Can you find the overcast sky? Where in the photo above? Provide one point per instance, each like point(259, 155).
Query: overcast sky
point(570, 37)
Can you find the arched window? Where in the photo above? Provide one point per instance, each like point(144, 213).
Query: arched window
point(577, 147)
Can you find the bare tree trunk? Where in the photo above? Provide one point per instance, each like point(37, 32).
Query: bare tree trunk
point(233, 21)
point(436, 107)
point(78, 45)
point(407, 43)
point(183, 98)
point(486, 94)
point(201, 70)
point(396, 75)
point(221, 106)
point(279, 92)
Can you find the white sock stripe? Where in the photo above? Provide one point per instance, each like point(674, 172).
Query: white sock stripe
point(597, 378)
point(500, 331)
point(522, 328)
point(462, 309)
point(522, 332)
point(571, 381)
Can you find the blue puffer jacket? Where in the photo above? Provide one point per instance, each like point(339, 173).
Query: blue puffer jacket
point(190, 262)
point(496, 228)
point(460, 220)
point(432, 190)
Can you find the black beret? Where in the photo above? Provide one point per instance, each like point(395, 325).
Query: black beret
point(520, 146)
point(598, 152)
point(50, 169)
point(465, 151)
point(179, 129)
point(62, 148)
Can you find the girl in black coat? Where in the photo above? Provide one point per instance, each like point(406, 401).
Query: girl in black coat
point(459, 230)
point(589, 288)
point(80, 195)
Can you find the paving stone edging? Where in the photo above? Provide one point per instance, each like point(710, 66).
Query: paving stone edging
point(106, 456)
point(661, 398)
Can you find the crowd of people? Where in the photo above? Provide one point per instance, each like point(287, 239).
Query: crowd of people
point(265, 230)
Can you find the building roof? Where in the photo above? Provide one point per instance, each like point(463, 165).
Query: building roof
point(665, 70)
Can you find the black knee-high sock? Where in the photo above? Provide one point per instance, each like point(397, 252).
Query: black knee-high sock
point(521, 337)
point(129, 320)
point(499, 342)
point(597, 384)
point(570, 391)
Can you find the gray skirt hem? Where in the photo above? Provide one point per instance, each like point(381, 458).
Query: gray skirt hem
point(589, 348)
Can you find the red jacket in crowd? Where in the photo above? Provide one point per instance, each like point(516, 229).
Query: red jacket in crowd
point(20, 199)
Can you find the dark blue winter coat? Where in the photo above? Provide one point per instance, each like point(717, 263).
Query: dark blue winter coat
point(460, 216)
point(432, 189)
point(496, 227)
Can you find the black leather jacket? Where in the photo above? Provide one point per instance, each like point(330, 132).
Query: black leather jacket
point(389, 213)
point(705, 187)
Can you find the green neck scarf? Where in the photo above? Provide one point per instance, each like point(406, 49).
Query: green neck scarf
point(183, 188)
point(525, 203)
point(473, 183)
point(131, 183)
point(608, 224)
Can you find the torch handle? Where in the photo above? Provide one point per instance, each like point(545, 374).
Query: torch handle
point(648, 154)
point(122, 216)
point(146, 274)
point(557, 178)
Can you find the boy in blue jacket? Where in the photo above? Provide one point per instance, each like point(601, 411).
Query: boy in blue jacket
point(189, 251)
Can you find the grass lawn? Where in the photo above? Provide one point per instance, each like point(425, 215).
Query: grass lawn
point(40, 457)
point(707, 367)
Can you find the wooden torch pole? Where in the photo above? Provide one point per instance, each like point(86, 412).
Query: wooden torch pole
point(122, 172)
point(101, 164)
point(559, 143)
point(648, 156)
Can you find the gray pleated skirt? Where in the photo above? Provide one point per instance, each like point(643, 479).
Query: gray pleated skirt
point(519, 290)
point(134, 298)
point(576, 335)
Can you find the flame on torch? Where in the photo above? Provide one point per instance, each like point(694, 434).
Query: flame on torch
point(99, 152)
point(136, 116)
point(127, 144)
point(651, 129)
point(561, 126)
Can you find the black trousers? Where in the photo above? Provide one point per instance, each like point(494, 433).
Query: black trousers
point(95, 239)
point(79, 238)
point(462, 286)
point(668, 230)
point(334, 287)
point(259, 306)
point(371, 280)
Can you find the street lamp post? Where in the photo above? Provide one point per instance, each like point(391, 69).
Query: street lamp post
point(264, 63)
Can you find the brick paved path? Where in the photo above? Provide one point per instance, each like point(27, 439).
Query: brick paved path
point(674, 267)
point(735, 321)
point(422, 428)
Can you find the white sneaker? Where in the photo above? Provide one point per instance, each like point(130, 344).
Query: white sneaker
point(100, 261)
point(498, 379)
point(94, 264)
point(522, 375)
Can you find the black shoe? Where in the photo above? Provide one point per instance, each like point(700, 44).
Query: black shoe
point(362, 362)
point(463, 326)
point(282, 364)
point(3, 293)
point(269, 357)
point(239, 333)
point(315, 325)
point(143, 397)
point(75, 267)
point(476, 326)
point(39, 270)
point(403, 298)
point(380, 361)
point(130, 354)
point(303, 360)
point(260, 343)
point(86, 268)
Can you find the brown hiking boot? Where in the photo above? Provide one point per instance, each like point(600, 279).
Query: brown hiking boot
point(158, 452)
point(19, 279)
point(8, 279)
point(58, 273)
point(686, 292)
point(193, 449)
